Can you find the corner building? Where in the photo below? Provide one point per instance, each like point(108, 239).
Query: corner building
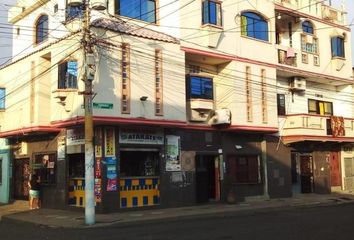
point(194, 102)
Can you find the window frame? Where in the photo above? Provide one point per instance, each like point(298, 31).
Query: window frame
point(336, 54)
point(39, 27)
point(245, 31)
point(66, 85)
point(306, 28)
point(2, 99)
point(39, 169)
point(240, 169)
point(318, 110)
point(203, 95)
point(281, 110)
point(206, 9)
point(118, 10)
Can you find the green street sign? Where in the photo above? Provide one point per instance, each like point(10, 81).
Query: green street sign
point(103, 105)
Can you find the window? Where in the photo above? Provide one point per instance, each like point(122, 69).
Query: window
point(74, 12)
point(2, 98)
point(125, 69)
point(144, 10)
point(44, 165)
point(320, 107)
point(304, 58)
point(158, 83)
point(200, 87)
point(67, 75)
point(254, 25)
point(41, 29)
point(244, 169)
point(212, 12)
point(337, 46)
point(307, 27)
point(316, 60)
point(281, 104)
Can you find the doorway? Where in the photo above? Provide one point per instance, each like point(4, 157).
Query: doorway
point(21, 178)
point(302, 173)
point(206, 175)
point(335, 170)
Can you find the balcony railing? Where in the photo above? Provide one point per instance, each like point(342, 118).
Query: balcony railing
point(317, 125)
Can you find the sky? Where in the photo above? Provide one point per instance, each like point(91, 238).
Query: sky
point(5, 41)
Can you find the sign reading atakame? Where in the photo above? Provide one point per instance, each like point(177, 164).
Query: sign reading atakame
point(140, 138)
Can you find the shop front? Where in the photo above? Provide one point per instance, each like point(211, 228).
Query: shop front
point(140, 160)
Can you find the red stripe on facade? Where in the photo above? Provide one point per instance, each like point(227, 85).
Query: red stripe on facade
point(22, 131)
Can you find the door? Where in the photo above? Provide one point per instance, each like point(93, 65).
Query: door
point(306, 172)
point(335, 169)
point(205, 178)
point(21, 178)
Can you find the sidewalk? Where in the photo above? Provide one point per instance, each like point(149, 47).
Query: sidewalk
point(74, 219)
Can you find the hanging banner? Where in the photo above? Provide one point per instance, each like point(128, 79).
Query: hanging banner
point(110, 142)
point(131, 137)
point(98, 142)
point(173, 161)
point(98, 190)
point(98, 170)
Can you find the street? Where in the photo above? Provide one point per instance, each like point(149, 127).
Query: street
point(331, 222)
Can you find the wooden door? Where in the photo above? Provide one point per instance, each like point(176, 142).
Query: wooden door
point(21, 178)
point(335, 169)
point(306, 172)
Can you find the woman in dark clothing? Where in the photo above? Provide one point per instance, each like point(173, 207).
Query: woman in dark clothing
point(34, 186)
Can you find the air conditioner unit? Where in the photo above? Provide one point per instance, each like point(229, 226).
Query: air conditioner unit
point(199, 115)
point(298, 84)
point(221, 116)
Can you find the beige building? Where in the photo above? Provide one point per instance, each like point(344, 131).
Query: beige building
point(193, 100)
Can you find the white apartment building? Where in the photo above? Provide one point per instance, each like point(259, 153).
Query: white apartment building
point(193, 101)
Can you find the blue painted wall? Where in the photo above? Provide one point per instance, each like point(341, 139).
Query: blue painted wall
point(6, 171)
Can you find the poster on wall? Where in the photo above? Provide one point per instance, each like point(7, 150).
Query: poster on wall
point(98, 190)
point(61, 148)
point(109, 142)
point(173, 161)
point(111, 172)
point(98, 167)
point(98, 142)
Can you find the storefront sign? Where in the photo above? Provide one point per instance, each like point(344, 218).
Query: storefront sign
point(173, 161)
point(75, 136)
point(98, 168)
point(110, 142)
point(140, 138)
point(98, 142)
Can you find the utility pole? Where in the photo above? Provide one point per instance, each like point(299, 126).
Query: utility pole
point(87, 78)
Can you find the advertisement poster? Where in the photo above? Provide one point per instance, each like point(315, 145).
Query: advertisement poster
point(109, 142)
point(111, 163)
point(173, 161)
point(98, 190)
point(98, 142)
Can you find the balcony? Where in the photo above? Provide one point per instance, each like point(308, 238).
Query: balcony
point(287, 57)
point(307, 127)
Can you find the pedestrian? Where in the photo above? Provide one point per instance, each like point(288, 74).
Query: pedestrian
point(34, 185)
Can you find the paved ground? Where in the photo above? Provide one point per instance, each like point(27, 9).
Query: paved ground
point(75, 219)
point(305, 222)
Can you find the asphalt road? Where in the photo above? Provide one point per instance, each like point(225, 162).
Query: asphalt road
point(331, 222)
